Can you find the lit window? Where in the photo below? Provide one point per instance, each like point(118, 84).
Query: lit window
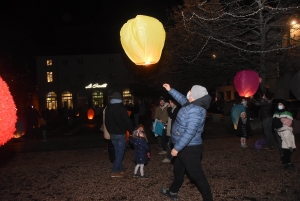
point(66, 99)
point(51, 100)
point(49, 77)
point(98, 98)
point(49, 62)
point(127, 96)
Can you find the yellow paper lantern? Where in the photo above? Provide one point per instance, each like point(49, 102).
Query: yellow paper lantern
point(143, 39)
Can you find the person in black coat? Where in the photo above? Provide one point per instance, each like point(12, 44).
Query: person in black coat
point(244, 129)
point(172, 113)
point(266, 113)
point(117, 122)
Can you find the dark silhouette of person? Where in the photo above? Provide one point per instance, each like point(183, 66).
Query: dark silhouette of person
point(32, 120)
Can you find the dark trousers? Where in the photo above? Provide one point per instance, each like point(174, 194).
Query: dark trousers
point(189, 159)
point(286, 156)
point(267, 125)
point(169, 148)
point(164, 140)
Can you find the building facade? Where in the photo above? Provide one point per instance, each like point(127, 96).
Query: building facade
point(80, 81)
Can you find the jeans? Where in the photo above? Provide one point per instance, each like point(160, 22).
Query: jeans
point(279, 140)
point(189, 159)
point(119, 142)
point(267, 125)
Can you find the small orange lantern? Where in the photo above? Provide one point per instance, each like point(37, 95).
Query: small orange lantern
point(90, 114)
point(143, 39)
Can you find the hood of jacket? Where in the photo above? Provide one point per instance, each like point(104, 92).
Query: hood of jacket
point(202, 102)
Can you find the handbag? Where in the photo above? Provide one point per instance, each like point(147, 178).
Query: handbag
point(103, 128)
point(158, 128)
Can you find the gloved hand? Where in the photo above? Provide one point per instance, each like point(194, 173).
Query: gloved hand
point(291, 149)
point(149, 155)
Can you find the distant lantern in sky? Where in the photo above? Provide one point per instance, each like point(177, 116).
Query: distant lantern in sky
point(8, 117)
point(246, 82)
point(143, 39)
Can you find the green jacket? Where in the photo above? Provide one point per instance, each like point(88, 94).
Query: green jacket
point(162, 113)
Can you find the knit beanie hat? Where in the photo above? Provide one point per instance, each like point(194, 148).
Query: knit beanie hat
point(198, 91)
point(283, 102)
point(116, 95)
point(161, 98)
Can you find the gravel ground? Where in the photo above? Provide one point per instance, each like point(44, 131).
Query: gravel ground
point(234, 173)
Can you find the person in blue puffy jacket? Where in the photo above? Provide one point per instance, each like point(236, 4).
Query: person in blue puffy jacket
point(186, 137)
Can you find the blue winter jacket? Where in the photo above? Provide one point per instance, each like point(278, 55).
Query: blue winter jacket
point(189, 123)
point(141, 148)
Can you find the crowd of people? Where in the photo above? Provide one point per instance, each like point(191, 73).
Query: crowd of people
point(183, 118)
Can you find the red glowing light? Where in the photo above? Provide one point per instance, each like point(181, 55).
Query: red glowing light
point(8, 117)
point(246, 82)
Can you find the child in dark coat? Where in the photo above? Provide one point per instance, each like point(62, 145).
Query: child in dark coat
point(141, 150)
point(244, 129)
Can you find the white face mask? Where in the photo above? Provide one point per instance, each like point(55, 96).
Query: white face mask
point(188, 95)
point(280, 107)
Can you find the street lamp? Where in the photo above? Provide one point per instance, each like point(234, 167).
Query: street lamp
point(294, 31)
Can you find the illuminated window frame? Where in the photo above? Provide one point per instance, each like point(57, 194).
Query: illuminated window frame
point(49, 76)
point(127, 96)
point(67, 97)
point(51, 100)
point(49, 62)
point(98, 98)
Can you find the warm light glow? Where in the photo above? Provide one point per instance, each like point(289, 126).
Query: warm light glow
point(18, 135)
point(246, 82)
point(90, 114)
point(293, 22)
point(96, 85)
point(8, 117)
point(143, 39)
point(214, 56)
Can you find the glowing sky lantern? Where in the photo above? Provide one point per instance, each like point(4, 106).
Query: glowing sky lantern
point(90, 114)
point(246, 82)
point(8, 117)
point(143, 39)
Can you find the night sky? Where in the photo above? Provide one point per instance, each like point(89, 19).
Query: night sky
point(56, 27)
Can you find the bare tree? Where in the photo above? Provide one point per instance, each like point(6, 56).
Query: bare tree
point(216, 38)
